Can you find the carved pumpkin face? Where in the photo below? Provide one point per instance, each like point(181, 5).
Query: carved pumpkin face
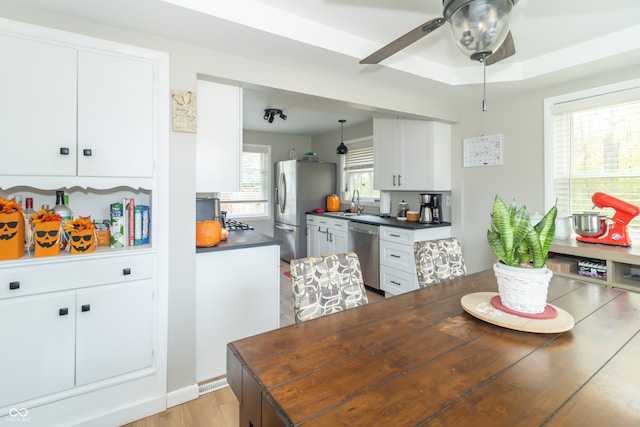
point(11, 235)
point(47, 238)
point(82, 242)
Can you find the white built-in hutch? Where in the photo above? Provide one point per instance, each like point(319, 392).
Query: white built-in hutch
point(84, 336)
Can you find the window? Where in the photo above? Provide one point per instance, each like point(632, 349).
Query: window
point(593, 144)
point(357, 168)
point(253, 200)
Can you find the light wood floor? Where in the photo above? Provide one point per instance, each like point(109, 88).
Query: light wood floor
point(220, 408)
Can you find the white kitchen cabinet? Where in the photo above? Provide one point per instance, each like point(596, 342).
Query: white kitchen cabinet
point(113, 330)
point(411, 155)
point(397, 259)
point(327, 235)
point(115, 116)
point(38, 353)
point(237, 295)
point(107, 364)
point(89, 115)
point(313, 235)
point(73, 333)
point(38, 81)
point(219, 137)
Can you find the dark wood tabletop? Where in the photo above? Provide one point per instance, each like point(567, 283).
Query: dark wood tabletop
point(420, 359)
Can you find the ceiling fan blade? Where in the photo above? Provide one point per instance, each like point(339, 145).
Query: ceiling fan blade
point(506, 49)
point(403, 41)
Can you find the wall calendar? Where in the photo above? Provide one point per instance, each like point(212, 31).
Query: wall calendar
point(483, 151)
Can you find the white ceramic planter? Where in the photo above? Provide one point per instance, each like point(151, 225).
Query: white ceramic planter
point(523, 289)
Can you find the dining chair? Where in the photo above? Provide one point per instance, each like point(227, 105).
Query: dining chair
point(439, 260)
point(326, 284)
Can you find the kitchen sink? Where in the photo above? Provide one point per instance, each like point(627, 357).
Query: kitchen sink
point(341, 213)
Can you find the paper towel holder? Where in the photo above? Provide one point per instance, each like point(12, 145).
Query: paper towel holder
point(385, 204)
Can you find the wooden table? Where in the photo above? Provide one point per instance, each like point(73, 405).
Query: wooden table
point(419, 359)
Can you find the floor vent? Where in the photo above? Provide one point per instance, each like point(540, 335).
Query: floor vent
point(213, 386)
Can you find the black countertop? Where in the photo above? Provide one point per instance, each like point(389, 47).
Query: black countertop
point(241, 239)
point(388, 221)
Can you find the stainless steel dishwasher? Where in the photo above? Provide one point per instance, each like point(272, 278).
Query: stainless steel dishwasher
point(363, 240)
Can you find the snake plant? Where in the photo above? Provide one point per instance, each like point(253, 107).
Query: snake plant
point(515, 241)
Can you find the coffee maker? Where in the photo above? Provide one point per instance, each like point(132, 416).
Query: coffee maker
point(430, 208)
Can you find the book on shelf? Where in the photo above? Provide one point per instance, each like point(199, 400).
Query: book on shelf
point(117, 225)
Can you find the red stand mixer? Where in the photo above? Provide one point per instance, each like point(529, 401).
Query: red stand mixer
point(616, 231)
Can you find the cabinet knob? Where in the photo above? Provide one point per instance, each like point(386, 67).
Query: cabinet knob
point(86, 152)
point(63, 311)
point(126, 271)
point(86, 307)
point(64, 151)
point(14, 285)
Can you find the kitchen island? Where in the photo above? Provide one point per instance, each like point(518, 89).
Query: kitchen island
point(419, 358)
point(237, 295)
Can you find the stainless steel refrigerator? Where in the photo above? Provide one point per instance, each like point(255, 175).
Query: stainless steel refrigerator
point(300, 186)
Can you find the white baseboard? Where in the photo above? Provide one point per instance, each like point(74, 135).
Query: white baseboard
point(182, 395)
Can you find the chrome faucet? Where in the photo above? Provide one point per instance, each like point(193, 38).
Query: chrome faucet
point(359, 208)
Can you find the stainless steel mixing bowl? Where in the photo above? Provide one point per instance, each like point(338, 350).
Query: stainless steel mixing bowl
point(589, 224)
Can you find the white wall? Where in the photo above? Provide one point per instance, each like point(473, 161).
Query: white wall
point(519, 119)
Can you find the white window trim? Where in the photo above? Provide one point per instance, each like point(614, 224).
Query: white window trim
point(269, 216)
point(550, 197)
point(355, 143)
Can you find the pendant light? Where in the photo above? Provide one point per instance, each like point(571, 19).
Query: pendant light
point(342, 149)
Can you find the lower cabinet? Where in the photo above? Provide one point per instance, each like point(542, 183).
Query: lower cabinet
point(38, 356)
point(397, 259)
point(237, 295)
point(66, 338)
point(327, 235)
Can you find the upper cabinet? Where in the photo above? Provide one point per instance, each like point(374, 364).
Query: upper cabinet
point(219, 138)
point(115, 116)
point(411, 155)
point(72, 113)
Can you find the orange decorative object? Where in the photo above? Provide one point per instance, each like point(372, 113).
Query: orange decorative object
point(82, 241)
point(208, 233)
point(11, 235)
point(333, 203)
point(47, 238)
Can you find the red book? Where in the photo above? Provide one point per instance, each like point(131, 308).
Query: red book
point(131, 222)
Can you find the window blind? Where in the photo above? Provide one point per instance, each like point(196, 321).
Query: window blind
point(254, 197)
point(596, 147)
point(359, 159)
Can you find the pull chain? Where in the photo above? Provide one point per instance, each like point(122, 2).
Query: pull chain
point(484, 85)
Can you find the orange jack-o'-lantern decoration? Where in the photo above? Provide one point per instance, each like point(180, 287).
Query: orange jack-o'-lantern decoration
point(207, 233)
point(47, 238)
point(11, 235)
point(82, 241)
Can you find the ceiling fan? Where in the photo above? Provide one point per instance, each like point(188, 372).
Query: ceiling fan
point(480, 29)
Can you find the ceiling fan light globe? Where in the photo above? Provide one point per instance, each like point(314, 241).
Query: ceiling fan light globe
point(485, 22)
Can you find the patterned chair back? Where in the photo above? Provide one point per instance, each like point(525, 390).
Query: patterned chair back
point(438, 261)
point(326, 284)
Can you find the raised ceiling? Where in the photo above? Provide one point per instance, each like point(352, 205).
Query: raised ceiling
point(555, 40)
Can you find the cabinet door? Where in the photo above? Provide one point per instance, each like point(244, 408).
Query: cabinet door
point(219, 138)
point(114, 330)
point(414, 162)
point(115, 116)
point(325, 246)
point(38, 351)
point(38, 111)
point(425, 155)
point(385, 146)
point(339, 242)
point(312, 239)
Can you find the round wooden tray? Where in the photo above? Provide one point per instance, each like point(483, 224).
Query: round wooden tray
point(479, 305)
